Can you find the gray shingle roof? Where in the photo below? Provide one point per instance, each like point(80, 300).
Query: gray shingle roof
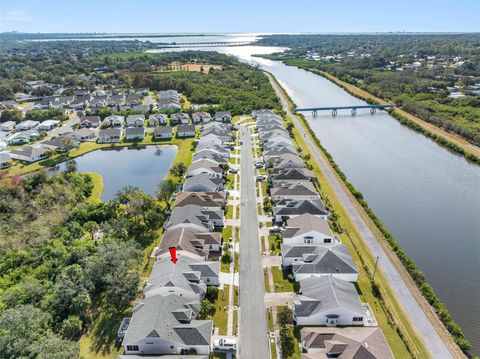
point(326, 260)
point(306, 223)
point(195, 215)
point(314, 207)
point(202, 181)
point(357, 342)
point(154, 318)
point(325, 293)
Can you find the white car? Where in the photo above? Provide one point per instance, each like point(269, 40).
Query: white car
point(225, 344)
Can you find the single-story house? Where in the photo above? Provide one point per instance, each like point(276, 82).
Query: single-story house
point(29, 153)
point(134, 133)
point(286, 209)
point(78, 103)
point(290, 175)
point(184, 131)
point(19, 138)
point(7, 126)
point(211, 168)
point(180, 118)
point(157, 119)
point(199, 117)
point(133, 100)
point(203, 183)
point(163, 133)
point(135, 120)
point(114, 121)
point(4, 160)
point(294, 191)
point(307, 229)
point(192, 241)
point(26, 125)
point(223, 116)
point(344, 343)
point(205, 200)
point(84, 134)
point(328, 301)
point(47, 125)
point(187, 278)
point(110, 135)
point(61, 143)
point(191, 215)
point(332, 260)
point(89, 121)
point(208, 155)
point(167, 325)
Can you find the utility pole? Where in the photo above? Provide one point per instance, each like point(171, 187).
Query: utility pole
point(375, 269)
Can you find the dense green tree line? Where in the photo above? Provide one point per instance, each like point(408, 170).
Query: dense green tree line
point(54, 265)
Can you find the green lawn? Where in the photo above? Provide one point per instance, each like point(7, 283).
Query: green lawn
point(270, 320)
point(262, 243)
point(229, 214)
point(230, 182)
point(224, 267)
point(273, 245)
point(236, 264)
point(227, 233)
point(221, 315)
point(263, 186)
point(237, 214)
point(232, 160)
point(235, 296)
point(281, 281)
point(295, 336)
point(100, 342)
point(97, 191)
point(273, 351)
point(235, 322)
point(265, 279)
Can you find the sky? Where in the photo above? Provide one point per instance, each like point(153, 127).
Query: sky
point(210, 16)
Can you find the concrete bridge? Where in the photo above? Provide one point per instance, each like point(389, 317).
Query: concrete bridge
point(353, 109)
point(213, 43)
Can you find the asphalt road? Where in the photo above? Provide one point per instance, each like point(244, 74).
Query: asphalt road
point(419, 320)
point(253, 319)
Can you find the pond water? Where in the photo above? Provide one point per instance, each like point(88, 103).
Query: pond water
point(142, 167)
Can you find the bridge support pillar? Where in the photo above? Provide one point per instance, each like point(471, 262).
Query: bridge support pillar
point(334, 113)
point(314, 113)
point(354, 112)
point(372, 111)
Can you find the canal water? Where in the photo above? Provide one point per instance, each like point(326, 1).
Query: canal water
point(144, 168)
point(428, 197)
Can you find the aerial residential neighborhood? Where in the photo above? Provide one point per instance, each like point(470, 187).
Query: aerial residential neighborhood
point(253, 180)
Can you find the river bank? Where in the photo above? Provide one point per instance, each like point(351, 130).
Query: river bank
point(379, 230)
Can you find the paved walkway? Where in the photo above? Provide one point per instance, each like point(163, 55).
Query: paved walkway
point(272, 261)
point(253, 319)
point(418, 318)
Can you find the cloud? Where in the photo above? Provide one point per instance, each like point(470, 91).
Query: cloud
point(16, 16)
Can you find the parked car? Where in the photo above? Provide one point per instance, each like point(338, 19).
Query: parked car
point(259, 164)
point(275, 230)
point(260, 178)
point(233, 170)
point(225, 344)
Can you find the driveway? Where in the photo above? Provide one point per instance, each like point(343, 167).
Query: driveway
point(418, 318)
point(253, 319)
point(282, 298)
point(272, 261)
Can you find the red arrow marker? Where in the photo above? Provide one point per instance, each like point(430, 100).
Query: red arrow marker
point(173, 254)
